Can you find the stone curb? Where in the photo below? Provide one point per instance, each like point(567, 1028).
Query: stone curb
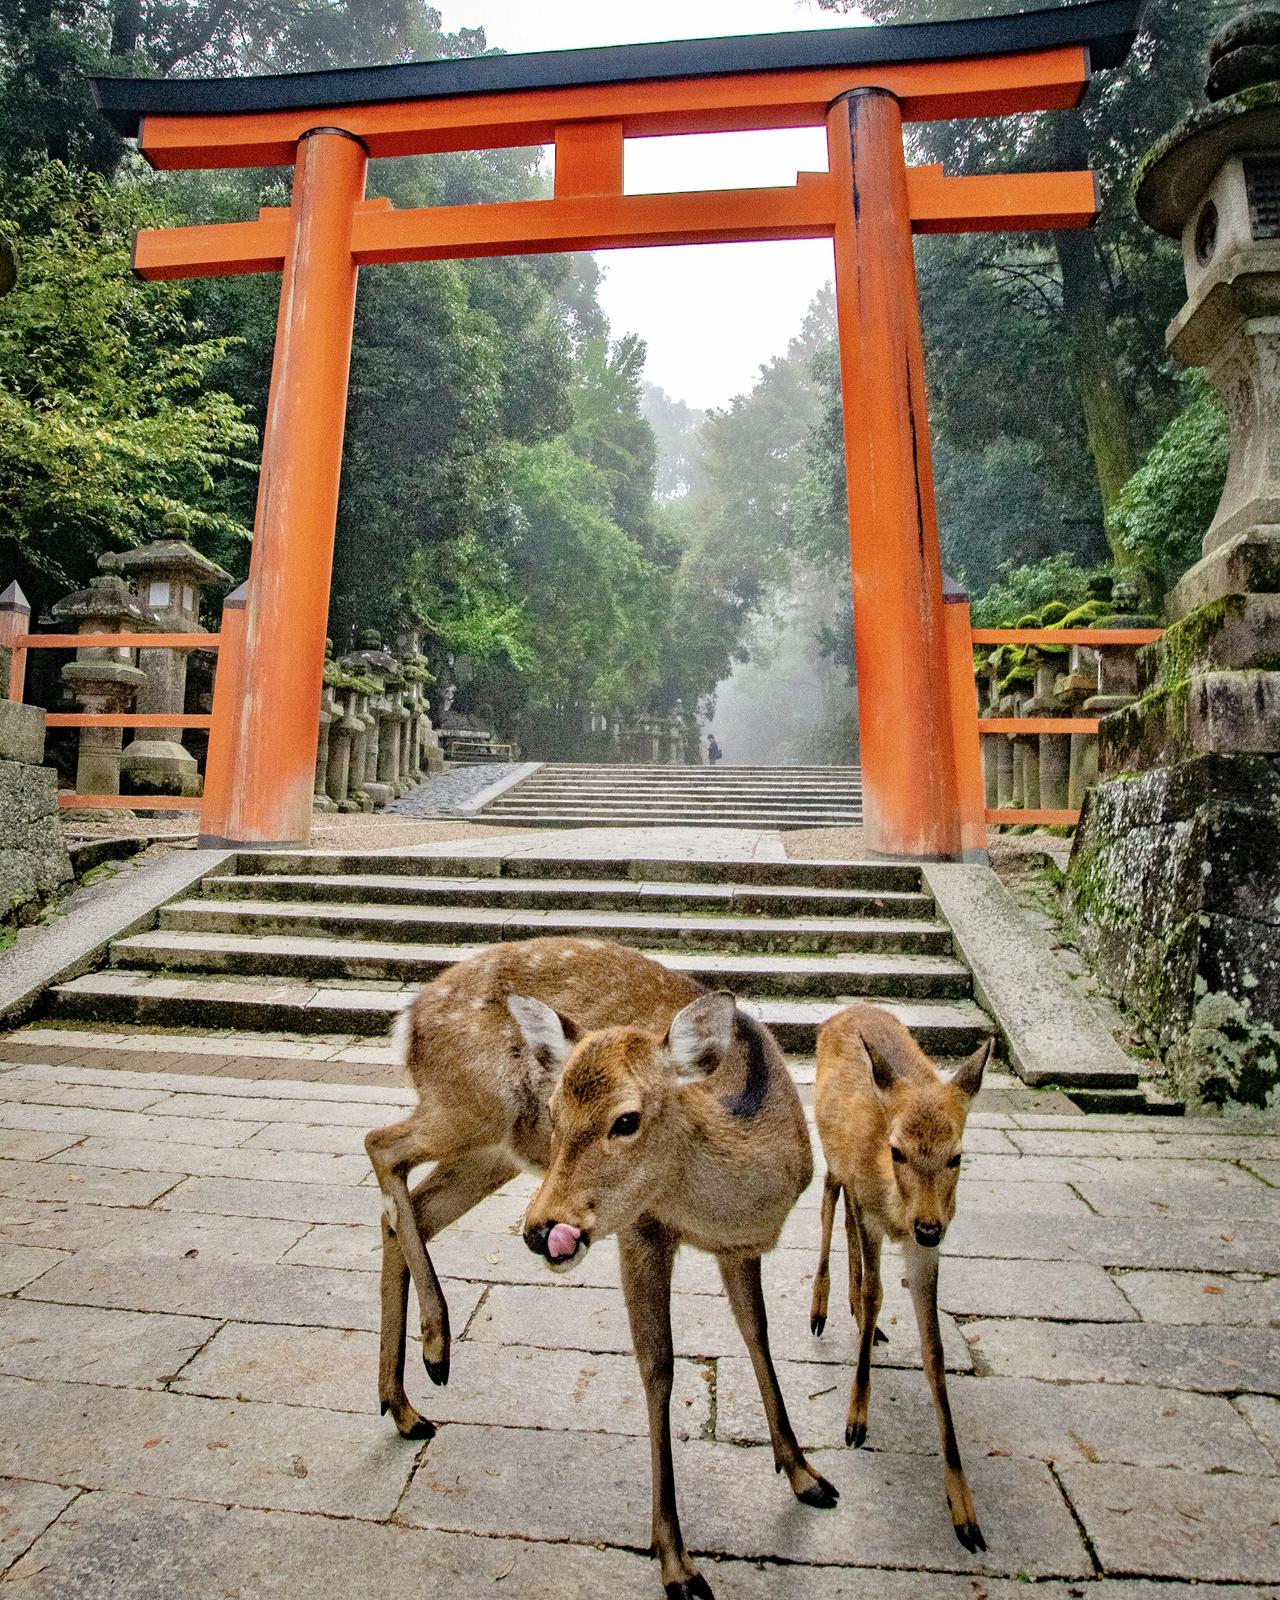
point(1051, 1033)
point(72, 945)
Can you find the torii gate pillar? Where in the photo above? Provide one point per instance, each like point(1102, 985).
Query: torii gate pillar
point(909, 783)
point(264, 795)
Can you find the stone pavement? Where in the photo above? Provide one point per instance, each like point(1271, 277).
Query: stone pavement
point(188, 1305)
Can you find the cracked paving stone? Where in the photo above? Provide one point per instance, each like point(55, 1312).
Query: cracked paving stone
point(1179, 1524)
point(488, 1383)
point(106, 1186)
point(1214, 1299)
point(891, 1512)
point(20, 1265)
point(132, 1231)
point(127, 1349)
point(190, 1160)
point(26, 1510)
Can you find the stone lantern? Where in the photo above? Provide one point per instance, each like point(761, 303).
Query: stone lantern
point(1175, 869)
point(168, 577)
point(103, 680)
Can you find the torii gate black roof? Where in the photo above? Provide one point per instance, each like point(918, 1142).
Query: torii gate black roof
point(1106, 27)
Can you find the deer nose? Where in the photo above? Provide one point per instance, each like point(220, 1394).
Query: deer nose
point(929, 1234)
point(555, 1240)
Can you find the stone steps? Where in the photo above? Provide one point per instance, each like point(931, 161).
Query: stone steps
point(330, 945)
point(945, 1027)
point(565, 796)
point(585, 894)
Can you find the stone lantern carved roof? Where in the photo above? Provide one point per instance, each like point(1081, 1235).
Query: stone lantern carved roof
point(171, 557)
point(1243, 88)
point(107, 599)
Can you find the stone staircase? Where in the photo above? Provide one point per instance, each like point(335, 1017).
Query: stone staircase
point(327, 945)
point(564, 796)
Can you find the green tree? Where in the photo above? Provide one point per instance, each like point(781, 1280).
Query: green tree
point(109, 429)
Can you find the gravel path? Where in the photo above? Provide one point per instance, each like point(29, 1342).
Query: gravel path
point(440, 795)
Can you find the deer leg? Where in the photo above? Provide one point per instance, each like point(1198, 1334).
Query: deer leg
point(647, 1253)
point(742, 1284)
point(853, 1239)
point(441, 1198)
point(922, 1279)
point(822, 1277)
point(393, 1152)
point(870, 1239)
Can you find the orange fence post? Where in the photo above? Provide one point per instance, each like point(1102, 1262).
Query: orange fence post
point(277, 717)
point(220, 759)
point(904, 698)
point(970, 788)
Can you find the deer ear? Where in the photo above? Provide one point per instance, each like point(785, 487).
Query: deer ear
point(887, 1063)
point(701, 1035)
point(548, 1035)
point(968, 1075)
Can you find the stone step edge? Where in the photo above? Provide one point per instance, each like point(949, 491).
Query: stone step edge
point(636, 928)
point(298, 957)
point(749, 872)
point(628, 894)
point(942, 1027)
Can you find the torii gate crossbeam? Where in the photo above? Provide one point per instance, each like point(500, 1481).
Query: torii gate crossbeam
point(862, 83)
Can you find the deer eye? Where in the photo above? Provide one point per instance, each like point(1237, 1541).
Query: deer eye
point(955, 1160)
point(897, 1155)
point(627, 1124)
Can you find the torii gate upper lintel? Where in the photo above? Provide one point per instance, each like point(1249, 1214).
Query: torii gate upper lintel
point(862, 83)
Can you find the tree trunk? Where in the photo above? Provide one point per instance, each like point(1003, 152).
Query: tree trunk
point(126, 26)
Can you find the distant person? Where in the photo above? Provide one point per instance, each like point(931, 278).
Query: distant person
point(714, 752)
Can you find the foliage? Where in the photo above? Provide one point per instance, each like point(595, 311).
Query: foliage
point(1053, 582)
point(1167, 505)
point(109, 430)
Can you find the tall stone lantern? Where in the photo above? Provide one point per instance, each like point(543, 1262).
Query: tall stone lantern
point(168, 577)
point(1175, 869)
point(104, 680)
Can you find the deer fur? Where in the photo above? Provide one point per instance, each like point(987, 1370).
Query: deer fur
point(891, 1127)
point(657, 1111)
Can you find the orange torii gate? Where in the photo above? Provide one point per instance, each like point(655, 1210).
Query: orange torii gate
point(918, 733)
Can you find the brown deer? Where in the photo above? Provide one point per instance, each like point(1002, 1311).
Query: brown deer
point(658, 1111)
point(891, 1127)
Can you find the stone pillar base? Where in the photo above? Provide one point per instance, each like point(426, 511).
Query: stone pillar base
point(1174, 885)
point(160, 766)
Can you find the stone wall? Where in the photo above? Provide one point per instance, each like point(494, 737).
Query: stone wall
point(33, 856)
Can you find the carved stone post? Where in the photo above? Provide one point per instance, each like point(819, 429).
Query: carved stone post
point(103, 680)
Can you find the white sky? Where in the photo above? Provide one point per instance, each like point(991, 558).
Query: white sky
point(712, 314)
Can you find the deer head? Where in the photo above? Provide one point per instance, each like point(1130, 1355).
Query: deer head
point(925, 1112)
point(619, 1132)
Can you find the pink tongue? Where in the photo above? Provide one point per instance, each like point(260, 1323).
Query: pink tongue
point(562, 1241)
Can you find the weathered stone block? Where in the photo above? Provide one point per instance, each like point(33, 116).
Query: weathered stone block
point(1247, 564)
point(1225, 712)
point(1174, 884)
point(21, 732)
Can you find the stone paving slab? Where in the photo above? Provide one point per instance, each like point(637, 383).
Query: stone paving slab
point(1157, 1521)
point(1211, 1299)
point(124, 1349)
point(316, 1202)
point(1145, 1144)
point(186, 1447)
point(52, 1180)
point(26, 1510)
point(336, 1370)
point(207, 1161)
point(21, 1265)
point(1211, 1360)
point(891, 1513)
point(1139, 1195)
point(1015, 1417)
point(1263, 1414)
point(125, 1124)
point(70, 1227)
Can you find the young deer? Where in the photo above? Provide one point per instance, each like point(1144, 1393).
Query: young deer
point(658, 1112)
point(891, 1127)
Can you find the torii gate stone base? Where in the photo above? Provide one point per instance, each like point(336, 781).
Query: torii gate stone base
point(862, 83)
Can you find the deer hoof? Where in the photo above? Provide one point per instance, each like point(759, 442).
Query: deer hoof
point(816, 1324)
point(855, 1435)
point(438, 1371)
point(695, 1588)
point(970, 1536)
point(821, 1495)
point(421, 1429)
point(880, 1337)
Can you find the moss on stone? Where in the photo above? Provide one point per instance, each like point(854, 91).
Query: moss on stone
point(1186, 643)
